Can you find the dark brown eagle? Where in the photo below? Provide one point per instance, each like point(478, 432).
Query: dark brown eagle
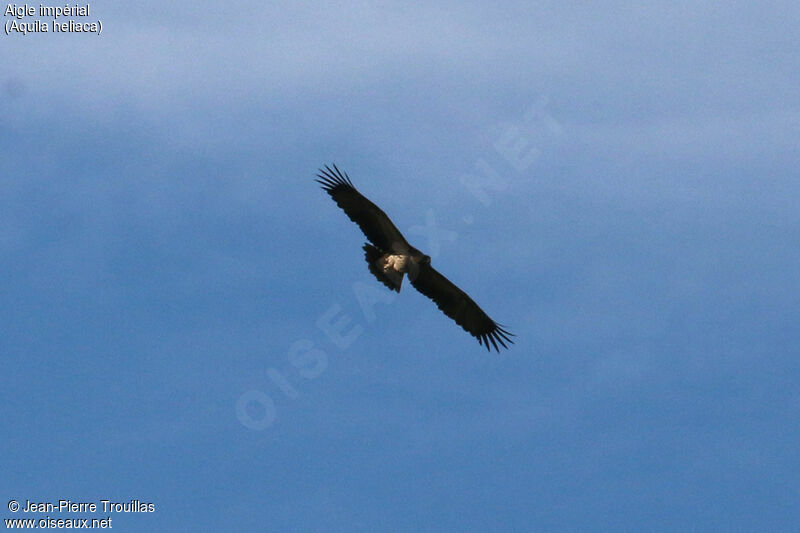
point(390, 257)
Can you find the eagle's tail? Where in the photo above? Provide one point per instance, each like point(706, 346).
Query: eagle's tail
point(375, 260)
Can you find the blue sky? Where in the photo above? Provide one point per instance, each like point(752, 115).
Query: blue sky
point(169, 266)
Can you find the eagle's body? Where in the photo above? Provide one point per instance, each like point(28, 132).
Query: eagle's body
point(395, 265)
point(390, 267)
point(399, 263)
point(390, 257)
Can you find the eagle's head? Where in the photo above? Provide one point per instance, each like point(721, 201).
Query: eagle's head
point(418, 257)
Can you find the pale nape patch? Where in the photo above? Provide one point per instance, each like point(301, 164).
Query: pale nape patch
point(394, 266)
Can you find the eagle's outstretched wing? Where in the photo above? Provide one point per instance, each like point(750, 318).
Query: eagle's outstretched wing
point(373, 222)
point(457, 304)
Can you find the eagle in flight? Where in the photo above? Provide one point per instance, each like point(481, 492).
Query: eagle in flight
point(390, 256)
